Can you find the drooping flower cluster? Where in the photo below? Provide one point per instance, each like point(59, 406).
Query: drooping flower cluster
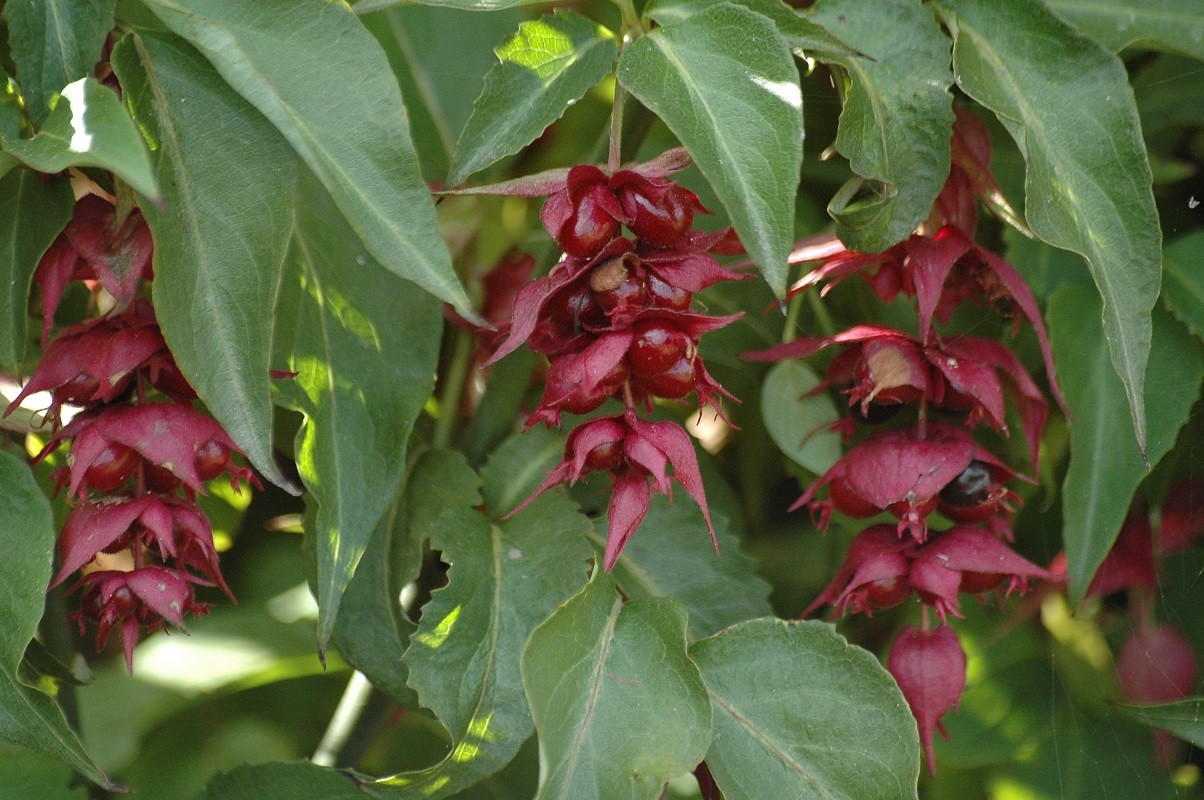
point(924, 467)
point(135, 464)
point(1156, 663)
point(615, 320)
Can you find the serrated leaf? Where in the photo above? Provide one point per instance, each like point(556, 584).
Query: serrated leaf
point(619, 706)
point(725, 83)
point(1088, 181)
point(220, 234)
point(1105, 464)
point(373, 630)
point(364, 347)
point(1183, 281)
point(897, 117)
point(800, 713)
point(1184, 718)
point(297, 780)
point(27, 716)
point(800, 32)
point(548, 65)
point(278, 55)
point(505, 579)
point(672, 556)
point(54, 43)
point(1173, 25)
point(33, 210)
point(87, 128)
point(799, 424)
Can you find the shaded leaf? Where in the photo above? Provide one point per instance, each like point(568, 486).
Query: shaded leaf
point(800, 713)
point(1168, 94)
point(88, 128)
point(1183, 281)
point(25, 775)
point(1184, 718)
point(364, 347)
point(1171, 25)
point(220, 235)
point(54, 43)
point(800, 32)
point(1087, 185)
point(619, 706)
point(518, 466)
point(548, 65)
point(672, 556)
point(368, 6)
point(278, 55)
point(797, 423)
point(504, 580)
point(27, 716)
point(297, 780)
point(1105, 464)
point(897, 117)
point(33, 210)
point(725, 83)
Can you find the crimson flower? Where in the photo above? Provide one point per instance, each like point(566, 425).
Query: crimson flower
point(176, 442)
point(910, 472)
point(141, 598)
point(965, 373)
point(930, 668)
point(632, 451)
point(94, 246)
point(880, 570)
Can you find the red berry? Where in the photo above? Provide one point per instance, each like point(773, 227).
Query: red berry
point(876, 413)
point(579, 401)
point(887, 592)
point(972, 496)
point(979, 582)
point(607, 457)
point(211, 459)
point(675, 382)
point(160, 479)
point(113, 467)
point(617, 284)
point(169, 380)
point(80, 390)
point(664, 295)
point(658, 348)
point(849, 502)
point(661, 222)
point(588, 228)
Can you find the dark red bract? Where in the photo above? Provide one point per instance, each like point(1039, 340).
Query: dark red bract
point(930, 668)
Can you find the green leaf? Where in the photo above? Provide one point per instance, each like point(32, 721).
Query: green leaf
point(1105, 464)
point(220, 235)
point(1087, 186)
point(798, 423)
point(25, 775)
point(299, 780)
point(504, 580)
point(800, 713)
point(897, 117)
point(672, 556)
point(619, 706)
point(32, 213)
point(1168, 94)
point(801, 33)
point(27, 716)
point(365, 348)
point(87, 128)
point(368, 6)
point(1184, 718)
point(1183, 281)
point(518, 466)
point(1172, 25)
point(54, 43)
point(415, 40)
point(726, 85)
point(278, 54)
point(546, 67)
